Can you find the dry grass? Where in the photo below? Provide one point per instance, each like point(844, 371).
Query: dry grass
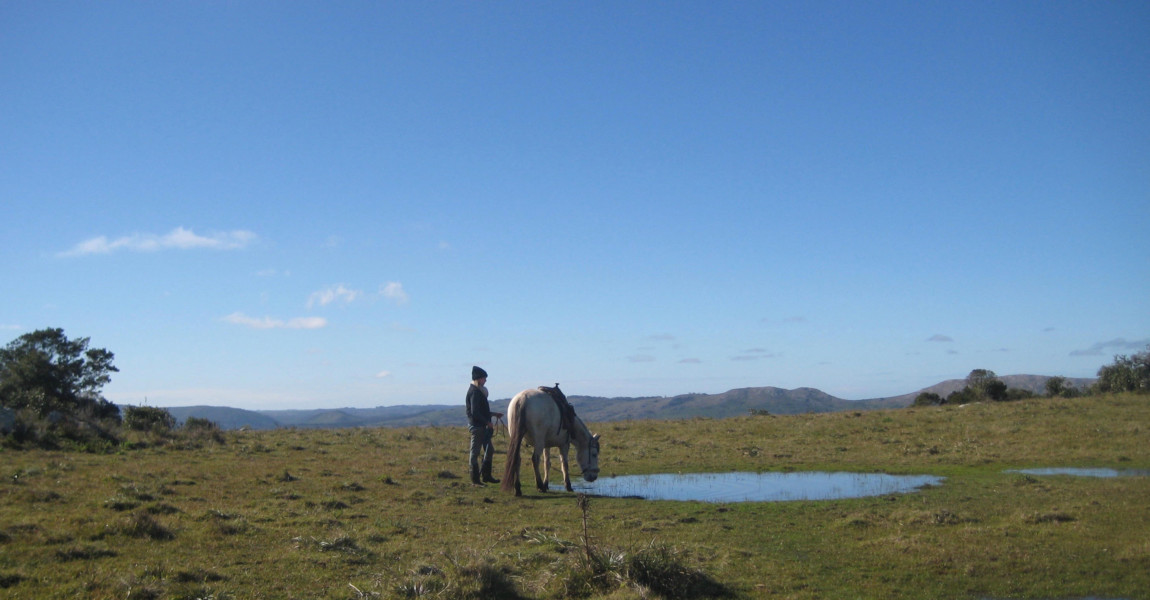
point(385, 513)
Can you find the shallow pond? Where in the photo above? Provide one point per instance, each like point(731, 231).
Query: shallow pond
point(1077, 472)
point(754, 487)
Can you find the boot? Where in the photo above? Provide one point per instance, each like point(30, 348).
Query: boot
point(487, 478)
point(475, 476)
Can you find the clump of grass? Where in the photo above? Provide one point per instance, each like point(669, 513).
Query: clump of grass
point(198, 575)
point(201, 592)
point(222, 523)
point(40, 496)
point(654, 569)
point(469, 577)
point(120, 503)
point(664, 570)
point(1055, 516)
point(83, 553)
point(549, 540)
point(8, 580)
point(343, 545)
point(144, 525)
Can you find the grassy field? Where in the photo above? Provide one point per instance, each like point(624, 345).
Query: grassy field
point(388, 513)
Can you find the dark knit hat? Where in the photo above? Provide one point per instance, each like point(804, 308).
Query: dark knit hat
point(477, 373)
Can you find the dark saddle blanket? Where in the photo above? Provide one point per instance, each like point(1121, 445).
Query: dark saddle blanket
point(566, 411)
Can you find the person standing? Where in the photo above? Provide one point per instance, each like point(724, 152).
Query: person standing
point(479, 424)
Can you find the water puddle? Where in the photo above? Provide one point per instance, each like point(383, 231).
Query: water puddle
point(754, 487)
point(1090, 472)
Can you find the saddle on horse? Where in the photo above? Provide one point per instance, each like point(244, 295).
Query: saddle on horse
point(566, 411)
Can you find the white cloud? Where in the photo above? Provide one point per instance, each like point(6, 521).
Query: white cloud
point(338, 293)
point(393, 290)
point(238, 318)
point(178, 239)
point(383, 374)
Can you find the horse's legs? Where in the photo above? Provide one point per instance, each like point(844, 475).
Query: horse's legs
point(566, 473)
point(547, 468)
point(539, 481)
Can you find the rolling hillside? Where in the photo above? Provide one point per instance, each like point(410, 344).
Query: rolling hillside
point(594, 409)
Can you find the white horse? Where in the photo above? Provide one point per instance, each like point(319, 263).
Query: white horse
point(534, 414)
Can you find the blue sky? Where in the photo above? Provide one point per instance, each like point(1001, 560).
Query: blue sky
point(316, 204)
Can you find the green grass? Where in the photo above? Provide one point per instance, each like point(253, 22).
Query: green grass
point(367, 513)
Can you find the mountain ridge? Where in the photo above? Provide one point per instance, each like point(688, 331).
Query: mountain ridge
point(595, 409)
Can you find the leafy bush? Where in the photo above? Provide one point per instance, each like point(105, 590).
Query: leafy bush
point(149, 418)
point(1126, 374)
point(928, 399)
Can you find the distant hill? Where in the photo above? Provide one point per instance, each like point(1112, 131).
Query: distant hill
point(225, 417)
point(595, 409)
point(1031, 383)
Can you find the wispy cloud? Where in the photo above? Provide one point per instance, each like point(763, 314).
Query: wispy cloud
point(329, 295)
point(383, 374)
point(176, 239)
point(641, 358)
point(393, 290)
point(938, 337)
point(754, 354)
point(238, 318)
point(11, 328)
point(690, 361)
point(1114, 345)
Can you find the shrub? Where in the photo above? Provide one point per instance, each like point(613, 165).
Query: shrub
point(928, 399)
point(148, 418)
point(1126, 374)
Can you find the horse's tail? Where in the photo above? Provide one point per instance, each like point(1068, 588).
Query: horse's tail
point(516, 428)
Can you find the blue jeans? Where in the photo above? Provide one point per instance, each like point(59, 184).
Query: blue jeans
point(480, 442)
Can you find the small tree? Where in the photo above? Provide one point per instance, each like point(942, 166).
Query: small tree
point(148, 418)
point(985, 385)
point(45, 371)
point(928, 399)
point(1126, 374)
point(1055, 386)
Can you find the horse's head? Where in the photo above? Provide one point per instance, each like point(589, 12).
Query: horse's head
point(588, 456)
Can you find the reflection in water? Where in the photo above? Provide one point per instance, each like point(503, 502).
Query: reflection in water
point(1084, 472)
point(754, 487)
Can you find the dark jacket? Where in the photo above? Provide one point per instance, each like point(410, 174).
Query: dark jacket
point(478, 410)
